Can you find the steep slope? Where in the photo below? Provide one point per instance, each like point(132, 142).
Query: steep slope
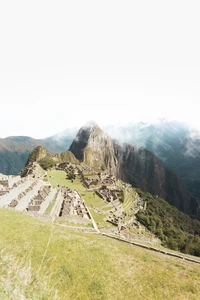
point(175, 229)
point(66, 156)
point(94, 147)
point(174, 143)
point(39, 154)
point(143, 169)
point(137, 166)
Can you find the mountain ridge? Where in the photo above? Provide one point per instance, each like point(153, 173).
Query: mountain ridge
point(14, 151)
point(134, 165)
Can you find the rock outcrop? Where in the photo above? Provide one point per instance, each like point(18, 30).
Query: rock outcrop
point(134, 165)
point(94, 148)
point(37, 154)
point(66, 156)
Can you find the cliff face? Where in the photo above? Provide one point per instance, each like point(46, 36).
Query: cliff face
point(134, 165)
point(144, 170)
point(175, 143)
point(94, 148)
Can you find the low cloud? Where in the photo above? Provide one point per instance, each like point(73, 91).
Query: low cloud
point(193, 143)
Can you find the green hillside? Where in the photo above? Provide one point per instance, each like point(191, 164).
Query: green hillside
point(41, 260)
point(175, 229)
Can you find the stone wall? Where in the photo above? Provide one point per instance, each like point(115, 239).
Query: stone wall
point(6, 199)
point(12, 180)
point(47, 201)
point(24, 201)
point(9, 181)
point(57, 207)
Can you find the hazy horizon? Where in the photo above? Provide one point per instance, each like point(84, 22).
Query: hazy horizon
point(66, 63)
point(69, 131)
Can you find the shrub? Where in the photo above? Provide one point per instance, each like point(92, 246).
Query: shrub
point(46, 162)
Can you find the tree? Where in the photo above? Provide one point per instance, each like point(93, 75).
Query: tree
point(70, 174)
point(46, 163)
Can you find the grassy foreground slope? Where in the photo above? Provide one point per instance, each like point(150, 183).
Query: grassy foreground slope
point(40, 260)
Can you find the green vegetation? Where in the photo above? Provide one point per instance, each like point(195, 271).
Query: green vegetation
point(64, 221)
point(46, 162)
point(41, 260)
point(68, 156)
point(59, 177)
point(70, 173)
point(175, 229)
point(50, 206)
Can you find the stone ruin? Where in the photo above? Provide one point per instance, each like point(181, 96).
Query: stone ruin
point(7, 183)
point(39, 198)
point(33, 195)
point(110, 195)
point(94, 181)
point(73, 204)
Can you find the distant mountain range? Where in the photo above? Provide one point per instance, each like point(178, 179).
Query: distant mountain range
point(14, 151)
point(174, 143)
point(137, 166)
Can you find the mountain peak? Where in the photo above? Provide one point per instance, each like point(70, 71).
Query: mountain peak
point(94, 147)
point(91, 124)
point(87, 135)
point(38, 153)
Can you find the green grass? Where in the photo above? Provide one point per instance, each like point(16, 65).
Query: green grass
point(99, 218)
point(40, 260)
point(129, 197)
point(63, 221)
point(60, 178)
point(49, 208)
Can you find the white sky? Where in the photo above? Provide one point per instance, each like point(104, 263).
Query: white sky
point(63, 63)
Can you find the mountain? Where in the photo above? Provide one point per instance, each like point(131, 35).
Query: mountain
point(132, 164)
point(14, 151)
point(94, 147)
point(45, 161)
point(175, 143)
point(172, 142)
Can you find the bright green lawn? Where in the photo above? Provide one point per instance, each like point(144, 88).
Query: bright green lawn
point(40, 260)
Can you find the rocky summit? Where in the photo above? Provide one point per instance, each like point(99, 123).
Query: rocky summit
point(93, 147)
point(141, 168)
point(132, 164)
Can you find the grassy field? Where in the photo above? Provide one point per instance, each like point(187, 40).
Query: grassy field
point(59, 177)
point(40, 260)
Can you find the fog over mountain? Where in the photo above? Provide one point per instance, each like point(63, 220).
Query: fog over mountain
point(93, 148)
point(175, 143)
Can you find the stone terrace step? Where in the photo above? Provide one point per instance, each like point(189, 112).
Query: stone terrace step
point(6, 199)
point(24, 201)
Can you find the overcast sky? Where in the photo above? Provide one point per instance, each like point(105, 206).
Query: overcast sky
point(63, 63)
